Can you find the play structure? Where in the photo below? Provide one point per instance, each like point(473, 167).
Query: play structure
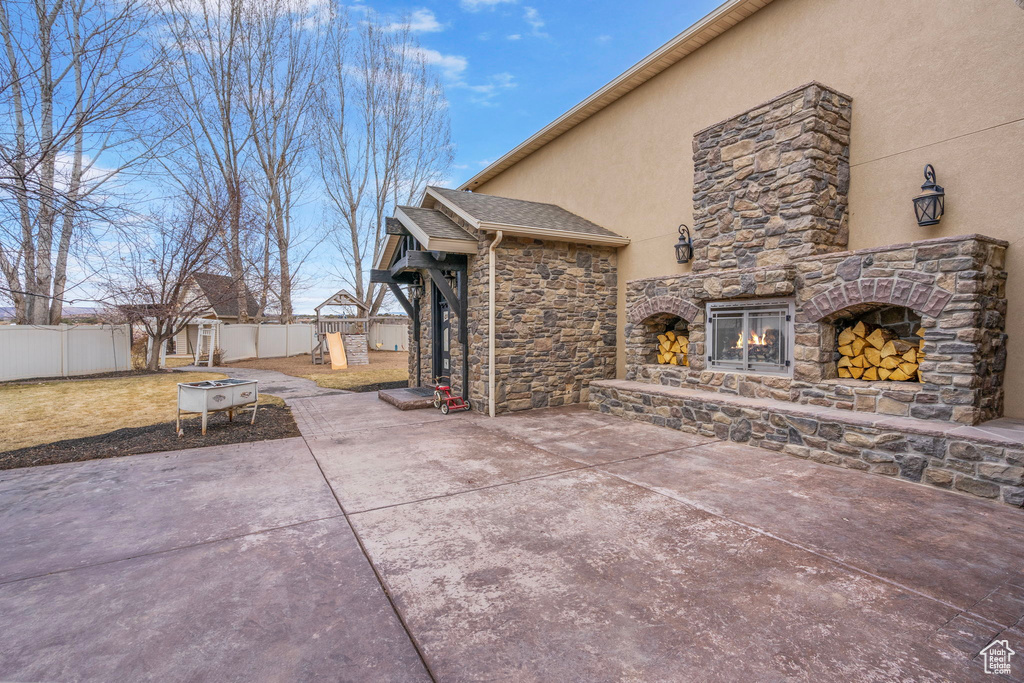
point(342, 338)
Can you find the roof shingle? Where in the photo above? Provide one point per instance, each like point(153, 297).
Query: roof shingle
point(436, 224)
point(491, 209)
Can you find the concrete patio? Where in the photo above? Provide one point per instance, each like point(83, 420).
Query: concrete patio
point(559, 544)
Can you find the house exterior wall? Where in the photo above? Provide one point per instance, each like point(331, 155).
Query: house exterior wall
point(933, 82)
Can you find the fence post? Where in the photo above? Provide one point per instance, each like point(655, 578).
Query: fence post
point(65, 351)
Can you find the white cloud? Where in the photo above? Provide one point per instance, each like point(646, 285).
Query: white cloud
point(514, 36)
point(452, 66)
point(603, 39)
point(477, 5)
point(420, 21)
point(532, 17)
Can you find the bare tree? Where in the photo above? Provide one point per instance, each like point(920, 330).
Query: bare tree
point(383, 133)
point(202, 64)
point(282, 41)
point(74, 86)
point(152, 284)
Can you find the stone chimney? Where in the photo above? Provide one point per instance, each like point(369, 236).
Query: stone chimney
point(771, 184)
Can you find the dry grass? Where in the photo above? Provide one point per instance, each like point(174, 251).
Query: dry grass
point(385, 366)
point(178, 362)
point(44, 412)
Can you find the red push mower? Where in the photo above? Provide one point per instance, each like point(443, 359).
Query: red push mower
point(443, 398)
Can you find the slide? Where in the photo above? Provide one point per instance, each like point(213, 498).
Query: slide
point(337, 349)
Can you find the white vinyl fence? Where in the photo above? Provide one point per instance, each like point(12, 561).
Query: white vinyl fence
point(392, 335)
point(265, 341)
point(29, 351)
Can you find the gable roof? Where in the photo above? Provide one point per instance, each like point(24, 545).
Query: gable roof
point(704, 31)
point(430, 225)
point(523, 218)
point(219, 290)
point(342, 298)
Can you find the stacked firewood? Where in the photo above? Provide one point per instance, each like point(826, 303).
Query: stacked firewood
point(876, 353)
point(672, 349)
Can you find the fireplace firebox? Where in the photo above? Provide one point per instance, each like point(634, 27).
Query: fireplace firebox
point(751, 336)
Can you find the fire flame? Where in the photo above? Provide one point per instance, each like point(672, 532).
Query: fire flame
point(753, 341)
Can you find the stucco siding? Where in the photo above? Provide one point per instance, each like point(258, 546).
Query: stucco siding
point(931, 81)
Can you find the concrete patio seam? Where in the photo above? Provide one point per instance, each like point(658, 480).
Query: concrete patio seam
point(582, 466)
point(167, 550)
point(960, 610)
point(376, 572)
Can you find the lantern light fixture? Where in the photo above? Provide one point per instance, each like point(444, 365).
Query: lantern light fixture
point(684, 247)
point(416, 290)
point(931, 203)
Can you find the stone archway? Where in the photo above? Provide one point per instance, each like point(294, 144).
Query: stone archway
point(672, 305)
point(922, 298)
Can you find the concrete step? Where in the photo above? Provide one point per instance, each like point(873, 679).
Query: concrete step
point(408, 399)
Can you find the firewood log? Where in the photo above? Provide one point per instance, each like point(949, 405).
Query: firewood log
point(845, 373)
point(846, 336)
point(858, 362)
point(899, 376)
point(895, 347)
point(671, 335)
point(920, 332)
point(856, 372)
point(862, 329)
point(872, 355)
point(672, 360)
point(911, 355)
point(846, 350)
point(663, 338)
point(661, 359)
point(890, 363)
point(858, 346)
point(883, 373)
point(879, 337)
point(844, 362)
point(909, 369)
point(870, 374)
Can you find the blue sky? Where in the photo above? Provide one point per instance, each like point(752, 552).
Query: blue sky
point(513, 66)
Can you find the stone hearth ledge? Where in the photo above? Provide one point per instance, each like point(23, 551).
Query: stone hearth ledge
point(947, 455)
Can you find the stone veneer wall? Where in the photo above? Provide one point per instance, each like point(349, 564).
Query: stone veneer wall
point(555, 322)
point(956, 284)
point(771, 184)
point(939, 454)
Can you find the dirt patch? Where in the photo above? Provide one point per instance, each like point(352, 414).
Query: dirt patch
point(387, 369)
point(272, 422)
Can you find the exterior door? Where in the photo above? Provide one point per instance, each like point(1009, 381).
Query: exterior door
point(442, 346)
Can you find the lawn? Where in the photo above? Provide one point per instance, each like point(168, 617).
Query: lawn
point(43, 412)
point(385, 366)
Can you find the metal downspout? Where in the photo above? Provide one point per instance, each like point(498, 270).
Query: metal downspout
point(490, 320)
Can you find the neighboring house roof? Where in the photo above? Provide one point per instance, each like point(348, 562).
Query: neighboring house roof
point(219, 290)
point(519, 217)
point(704, 31)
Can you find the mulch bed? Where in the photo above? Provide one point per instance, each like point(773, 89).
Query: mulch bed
point(380, 385)
point(80, 378)
point(272, 422)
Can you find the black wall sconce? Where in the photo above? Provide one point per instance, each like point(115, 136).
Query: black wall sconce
point(416, 290)
point(930, 204)
point(684, 247)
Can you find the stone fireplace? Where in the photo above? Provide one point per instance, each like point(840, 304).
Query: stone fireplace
point(801, 345)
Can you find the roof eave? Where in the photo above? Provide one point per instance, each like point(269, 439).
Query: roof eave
point(555, 235)
point(435, 243)
point(721, 19)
